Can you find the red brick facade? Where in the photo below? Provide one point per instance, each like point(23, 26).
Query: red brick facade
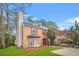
point(37, 40)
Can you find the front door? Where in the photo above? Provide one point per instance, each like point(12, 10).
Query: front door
point(44, 41)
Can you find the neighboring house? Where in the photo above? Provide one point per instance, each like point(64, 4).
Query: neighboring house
point(62, 37)
point(34, 36)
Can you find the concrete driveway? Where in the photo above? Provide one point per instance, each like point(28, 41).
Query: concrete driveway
point(67, 51)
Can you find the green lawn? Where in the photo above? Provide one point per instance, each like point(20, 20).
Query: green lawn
point(14, 51)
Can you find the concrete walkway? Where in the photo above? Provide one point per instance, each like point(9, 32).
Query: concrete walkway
point(67, 51)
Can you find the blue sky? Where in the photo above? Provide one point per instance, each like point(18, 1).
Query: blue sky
point(64, 14)
point(59, 13)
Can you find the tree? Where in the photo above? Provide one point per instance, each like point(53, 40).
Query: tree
point(43, 22)
point(30, 19)
point(51, 36)
point(76, 25)
point(2, 26)
point(7, 23)
point(52, 25)
point(75, 33)
point(72, 32)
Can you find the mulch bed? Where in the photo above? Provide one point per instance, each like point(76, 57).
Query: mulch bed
point(34, 48)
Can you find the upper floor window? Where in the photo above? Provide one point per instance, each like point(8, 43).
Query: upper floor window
point(43, 32)
point(33, 30)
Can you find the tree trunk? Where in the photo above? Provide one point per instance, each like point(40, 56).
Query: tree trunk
point(2, 29)
point(11, 41)
point(3, 40)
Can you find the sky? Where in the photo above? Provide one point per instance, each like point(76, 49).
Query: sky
point(63, 14)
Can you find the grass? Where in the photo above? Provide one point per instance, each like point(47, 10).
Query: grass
point(14, 51)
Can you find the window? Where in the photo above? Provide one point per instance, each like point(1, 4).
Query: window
point(43, 32)
point(35, 42)
point(33, 30)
